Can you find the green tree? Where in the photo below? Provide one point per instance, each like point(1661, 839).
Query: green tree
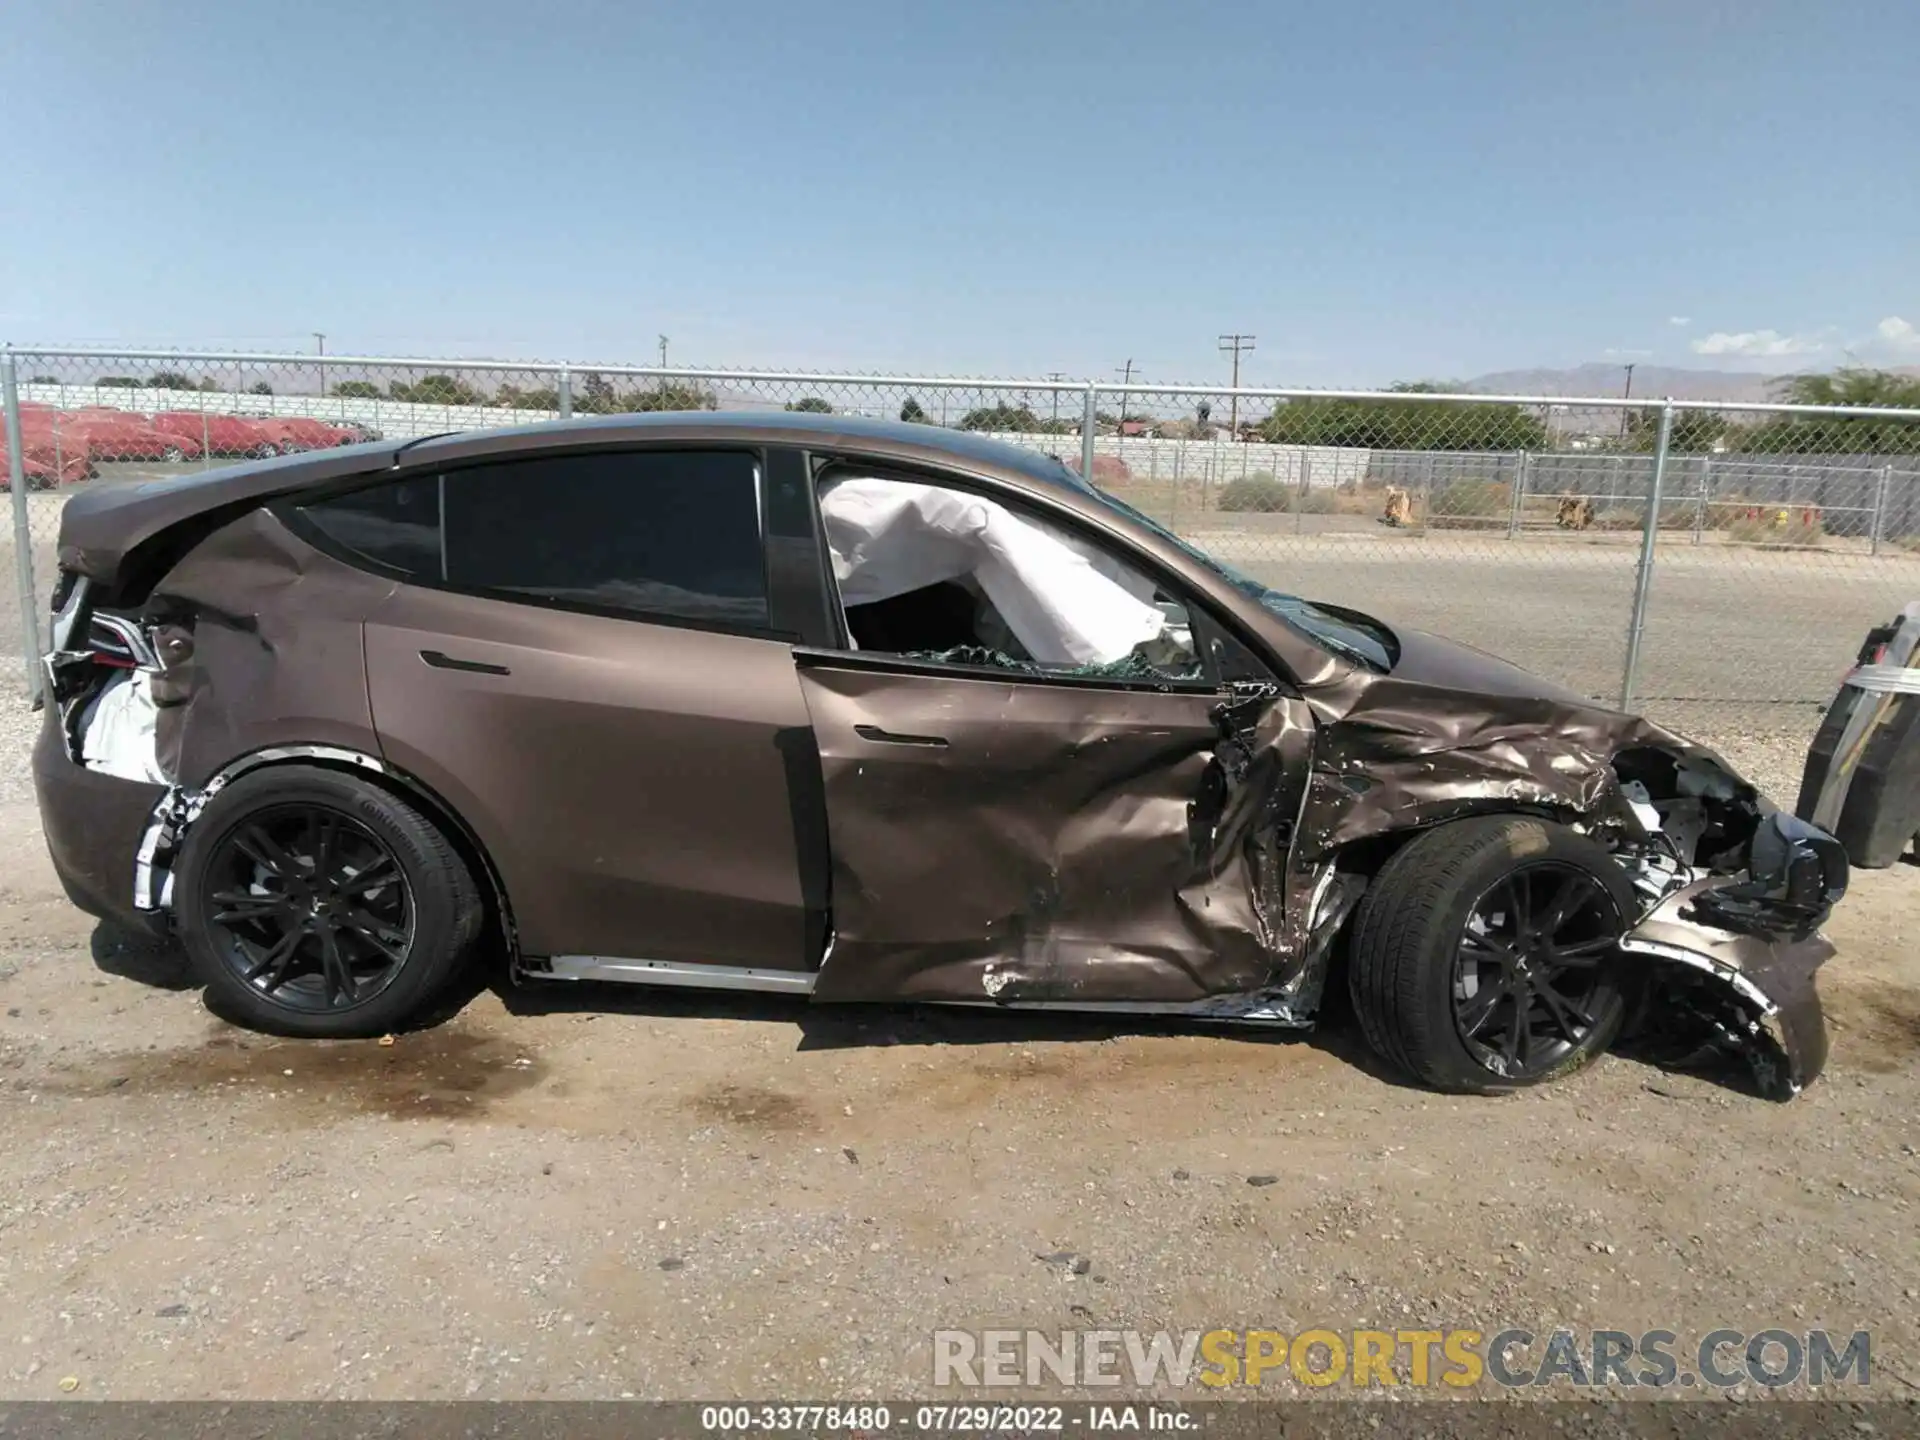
point(1840, 434)
point(913, 414)
point(260, 387)
point(810, 405)
point(43, 380)
point(1695, 432)
point(1404, 424)
point(117, 382)
point(597, 395)
point(357, 390)
point(170, 380)
point(513, 397)
point(435, 390)
point(669, 395)
point(1002, 417)
point(1853, 386)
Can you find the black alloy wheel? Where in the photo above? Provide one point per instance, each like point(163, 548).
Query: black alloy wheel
point(1529, 984)
point(308, 907)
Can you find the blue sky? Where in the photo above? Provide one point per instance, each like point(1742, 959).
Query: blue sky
point(1377, 191)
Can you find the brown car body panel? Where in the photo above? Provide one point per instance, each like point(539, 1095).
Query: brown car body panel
point(1453, 732)
point(277, 656)
point(627, 778)
point(643, 789)
point(1093, 844)
point(93, 824)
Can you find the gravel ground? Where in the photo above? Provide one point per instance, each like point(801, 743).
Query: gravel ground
point(595, 1193)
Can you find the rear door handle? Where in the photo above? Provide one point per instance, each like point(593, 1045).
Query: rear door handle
point(887, 737)
point(440, 660)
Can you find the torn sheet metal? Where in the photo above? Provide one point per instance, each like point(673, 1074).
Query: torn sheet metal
point(192, 686)
point(1453, 732)
point(1759, 999)
point(1129, 852)
point(889, 537)
point(233, 611)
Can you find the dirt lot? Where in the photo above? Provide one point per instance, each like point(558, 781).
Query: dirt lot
point(595, 1193)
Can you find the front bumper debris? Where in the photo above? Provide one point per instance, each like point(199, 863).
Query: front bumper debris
point(1754, 992)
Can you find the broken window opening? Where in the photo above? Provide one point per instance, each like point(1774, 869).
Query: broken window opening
point(933, 574)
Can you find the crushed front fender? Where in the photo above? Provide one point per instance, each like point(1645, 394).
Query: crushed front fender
point(1753, 992)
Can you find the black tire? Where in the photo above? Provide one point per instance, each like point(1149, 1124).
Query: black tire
point(362, 957)
point(1449, 977)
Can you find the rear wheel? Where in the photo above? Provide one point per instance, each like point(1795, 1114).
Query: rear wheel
point(1486, 955)
point(315, 903)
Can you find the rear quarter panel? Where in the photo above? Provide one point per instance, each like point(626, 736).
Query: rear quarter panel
point(279, 657)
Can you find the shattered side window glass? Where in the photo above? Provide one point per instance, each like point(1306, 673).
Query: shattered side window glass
point(396, 525)
point(1130, 667)
point(931, 573)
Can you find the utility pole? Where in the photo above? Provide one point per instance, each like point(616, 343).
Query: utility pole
point(1125, 372)
point(663, 352)
point(1235, 345)
point(320, 340)
point(1056, 376)
point(1626, 394)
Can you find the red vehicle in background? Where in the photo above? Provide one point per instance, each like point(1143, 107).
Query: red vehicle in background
point(110, 435)
point(228, 435)
point(293, 433)
point(47, 461)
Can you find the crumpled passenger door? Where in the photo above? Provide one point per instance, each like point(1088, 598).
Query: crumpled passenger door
point(1019, 838)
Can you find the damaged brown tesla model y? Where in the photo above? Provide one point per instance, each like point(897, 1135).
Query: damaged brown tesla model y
point(864, 711)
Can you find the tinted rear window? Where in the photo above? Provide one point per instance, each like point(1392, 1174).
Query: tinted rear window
point(668, 534)
point(396, 525)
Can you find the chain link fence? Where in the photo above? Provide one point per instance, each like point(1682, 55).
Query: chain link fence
point(1714, 567)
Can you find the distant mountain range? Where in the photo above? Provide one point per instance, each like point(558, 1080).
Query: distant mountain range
point(1649, 382)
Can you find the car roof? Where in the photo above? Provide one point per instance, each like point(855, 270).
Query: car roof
point(891, 437)
point(100, 526)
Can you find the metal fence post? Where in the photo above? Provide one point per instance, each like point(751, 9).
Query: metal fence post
point(1700, 503)
point(1087, 425)
point(22, 526)
point(1426, 490)
point(1643, 579)
point(1519, 496)
point(1880, 505)
point(564, 389)
point(1306, 489)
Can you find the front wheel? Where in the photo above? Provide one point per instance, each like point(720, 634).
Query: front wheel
point(314, 903)
point(1486, 958)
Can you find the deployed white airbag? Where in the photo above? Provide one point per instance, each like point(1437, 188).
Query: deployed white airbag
point(118, 734)
point(888, 537)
